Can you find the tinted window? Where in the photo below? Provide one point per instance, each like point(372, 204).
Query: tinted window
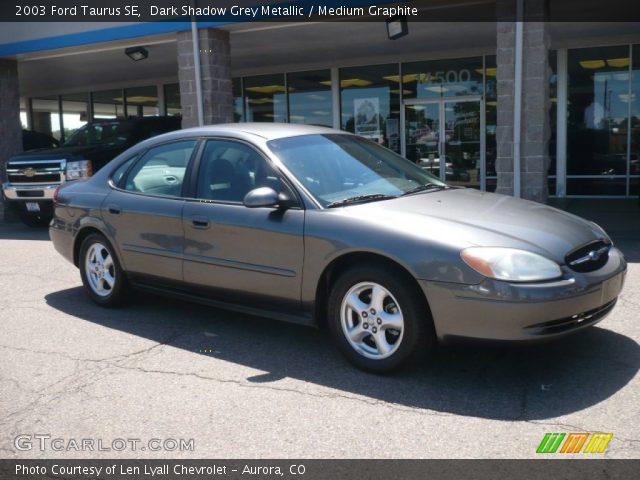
point(161, 170)
point(109, 133)
point(229, 170)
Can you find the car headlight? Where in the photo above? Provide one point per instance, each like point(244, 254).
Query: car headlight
point(79, 169)
point(510, 264)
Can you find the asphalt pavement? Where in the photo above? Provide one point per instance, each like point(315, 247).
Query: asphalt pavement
point(187, 381)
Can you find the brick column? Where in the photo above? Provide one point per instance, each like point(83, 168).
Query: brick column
point(215, 67)
point(535, 121)
point(11, 136)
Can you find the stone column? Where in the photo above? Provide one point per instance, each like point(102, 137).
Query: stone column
point(215, 67)
point(10, 127)
point(535, 121)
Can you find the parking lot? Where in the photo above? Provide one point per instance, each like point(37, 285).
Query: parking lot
point(245, 387)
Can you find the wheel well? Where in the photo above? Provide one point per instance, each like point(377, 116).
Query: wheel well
point(341, 264)
point(82, 234)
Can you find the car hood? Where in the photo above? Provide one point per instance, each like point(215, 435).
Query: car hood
point(467, 217)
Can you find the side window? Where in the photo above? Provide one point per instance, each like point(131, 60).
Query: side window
point(116, 176)
point(229, 170)
point(161, 170)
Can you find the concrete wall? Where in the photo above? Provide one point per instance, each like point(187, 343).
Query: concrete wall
point(215, 67)
point(534, 120)
point(10, 128)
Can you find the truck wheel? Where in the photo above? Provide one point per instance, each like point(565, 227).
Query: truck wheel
point(35, 220)
point(102, 276)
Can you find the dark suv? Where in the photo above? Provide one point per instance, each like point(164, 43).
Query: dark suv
point(32, 177)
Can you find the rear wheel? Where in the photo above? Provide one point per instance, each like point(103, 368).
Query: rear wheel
point(378, 319)
point(102, 276)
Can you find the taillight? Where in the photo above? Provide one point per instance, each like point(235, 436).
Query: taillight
point(56, 195)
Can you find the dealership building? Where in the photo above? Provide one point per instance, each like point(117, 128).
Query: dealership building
point(533, 109)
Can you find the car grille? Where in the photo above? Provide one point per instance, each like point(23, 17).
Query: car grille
point(589, 257)
point(36, 172)
point(579, 320)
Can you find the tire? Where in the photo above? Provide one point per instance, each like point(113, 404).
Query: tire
point(35, 220)
point(371, 341)
point(103, 278)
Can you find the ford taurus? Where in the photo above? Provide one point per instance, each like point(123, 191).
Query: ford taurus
point(321, 227)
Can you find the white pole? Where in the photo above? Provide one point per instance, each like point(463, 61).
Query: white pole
point(195, 40)
point(517, 104)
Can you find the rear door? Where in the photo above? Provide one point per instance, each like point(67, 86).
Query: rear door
point(145, 212)
point(239, 253)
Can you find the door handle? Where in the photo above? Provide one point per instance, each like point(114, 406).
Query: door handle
point(114, 209)
point(199, 222)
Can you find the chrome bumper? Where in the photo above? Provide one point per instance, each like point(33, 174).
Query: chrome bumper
point(28, 193)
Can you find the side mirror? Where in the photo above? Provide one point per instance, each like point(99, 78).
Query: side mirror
point(265, 197)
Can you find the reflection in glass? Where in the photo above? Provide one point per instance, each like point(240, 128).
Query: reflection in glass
point(310, 97)
point(74, 112)
point(442, 78)
point(422, 124)
point(265, 98)
point(46, 116)
point(238, 111)
point(172, 99)
point(491, 115)
point(142, 101)
point(370, 100)
point(598, 108)
point(462, 143)
point(108, 104)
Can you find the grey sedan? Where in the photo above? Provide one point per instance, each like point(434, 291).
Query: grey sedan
point(321, 227)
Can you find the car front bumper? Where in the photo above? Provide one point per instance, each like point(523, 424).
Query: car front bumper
point(28, 193)
point(497, 310)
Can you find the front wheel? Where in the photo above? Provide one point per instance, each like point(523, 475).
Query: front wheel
point(379, 319)
point(102, 276)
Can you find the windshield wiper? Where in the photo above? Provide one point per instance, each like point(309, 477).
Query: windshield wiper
point(361, 199)
point(427, 187)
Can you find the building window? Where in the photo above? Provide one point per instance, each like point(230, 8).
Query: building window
point(24, 118)
point(108, 104)
point(442, 78)
point(310, 97)
point(598, 120)
point(238, 104)
point(370, 100)
point(265, 98)
point(74, 112)
point(491, 120)
point(142, 101)
point(46, 116)
point(172, 99)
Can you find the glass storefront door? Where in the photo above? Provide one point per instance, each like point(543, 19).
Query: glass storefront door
point(445, 137)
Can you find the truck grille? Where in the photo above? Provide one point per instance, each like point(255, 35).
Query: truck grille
point(36, 172)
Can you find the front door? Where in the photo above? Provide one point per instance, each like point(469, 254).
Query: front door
point(231, 250)
point(445, 137)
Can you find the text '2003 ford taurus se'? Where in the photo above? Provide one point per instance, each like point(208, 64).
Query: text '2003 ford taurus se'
point(322, 227)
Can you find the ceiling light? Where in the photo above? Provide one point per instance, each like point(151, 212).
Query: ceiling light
point(592, 64)
point(618, 62)
point(397, 27)
point(136, 53)
point(267, 89)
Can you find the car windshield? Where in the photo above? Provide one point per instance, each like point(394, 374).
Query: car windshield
point(338, 169)
point(117, 132)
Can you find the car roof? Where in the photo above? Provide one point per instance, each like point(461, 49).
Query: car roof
point(268, 131)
